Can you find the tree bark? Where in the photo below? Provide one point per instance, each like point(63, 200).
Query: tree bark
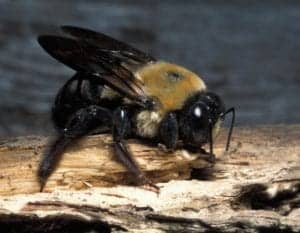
point(255, 187)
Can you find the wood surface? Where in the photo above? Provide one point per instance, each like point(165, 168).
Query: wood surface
point(255, 187)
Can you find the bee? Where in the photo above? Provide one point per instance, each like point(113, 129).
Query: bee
point(122, 90)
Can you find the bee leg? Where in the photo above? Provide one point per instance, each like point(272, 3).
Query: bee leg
point(51, 158)
point(80, 124)
point(203, 154)
point(168, 132)
point(121, 128)
point(211, 158)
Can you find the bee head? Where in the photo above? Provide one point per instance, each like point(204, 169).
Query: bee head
point(199, 116)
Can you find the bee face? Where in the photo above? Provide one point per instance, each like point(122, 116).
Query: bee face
point(195, 124)
point(199, 117)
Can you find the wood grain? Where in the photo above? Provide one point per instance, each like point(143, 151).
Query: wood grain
point(253, 188)
point(89, 162)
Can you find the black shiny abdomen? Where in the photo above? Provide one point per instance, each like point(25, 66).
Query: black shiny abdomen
point(79, 92)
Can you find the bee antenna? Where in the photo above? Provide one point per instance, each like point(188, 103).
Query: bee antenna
point(232, 110)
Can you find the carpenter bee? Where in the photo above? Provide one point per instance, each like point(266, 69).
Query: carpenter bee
point(119, 89)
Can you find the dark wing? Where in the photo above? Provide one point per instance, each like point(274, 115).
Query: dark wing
point(112, 61)
point(106, 42)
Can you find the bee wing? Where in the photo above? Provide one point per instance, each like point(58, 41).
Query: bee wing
point(115, 67)
point(106, 42)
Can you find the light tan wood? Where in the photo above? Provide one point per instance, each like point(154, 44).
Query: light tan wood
point(253, 188)
point(90, 162)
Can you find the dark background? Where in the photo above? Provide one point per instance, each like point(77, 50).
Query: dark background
point(247, 51)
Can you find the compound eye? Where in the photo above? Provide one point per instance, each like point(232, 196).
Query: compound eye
point(197, 112)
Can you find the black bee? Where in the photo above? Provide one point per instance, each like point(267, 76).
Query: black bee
point(122, 90)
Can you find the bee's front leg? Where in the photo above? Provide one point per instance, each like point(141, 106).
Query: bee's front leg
point(168, 132)
point(121, 127)
point(209, 157)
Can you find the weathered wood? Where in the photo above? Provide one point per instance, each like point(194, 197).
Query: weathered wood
point(254, 188)
point(89, 162)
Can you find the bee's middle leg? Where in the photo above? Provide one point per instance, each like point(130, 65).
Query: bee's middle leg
point(121, 127)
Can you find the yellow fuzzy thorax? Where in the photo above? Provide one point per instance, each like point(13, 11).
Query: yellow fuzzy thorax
point(169, 84)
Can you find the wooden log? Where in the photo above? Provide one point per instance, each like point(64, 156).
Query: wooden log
point(89, 162)
point(253, 188)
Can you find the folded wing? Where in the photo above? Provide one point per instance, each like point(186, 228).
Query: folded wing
point(101, 56)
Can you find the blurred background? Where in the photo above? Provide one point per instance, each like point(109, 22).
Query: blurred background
point(248, 51)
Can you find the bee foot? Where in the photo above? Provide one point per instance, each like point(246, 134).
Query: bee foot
point(211, 158)
point(149, 185)
point(152, 187)
point(164, 148)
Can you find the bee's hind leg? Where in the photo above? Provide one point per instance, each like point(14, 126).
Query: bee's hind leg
point(81, 123)
point(121, 127)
